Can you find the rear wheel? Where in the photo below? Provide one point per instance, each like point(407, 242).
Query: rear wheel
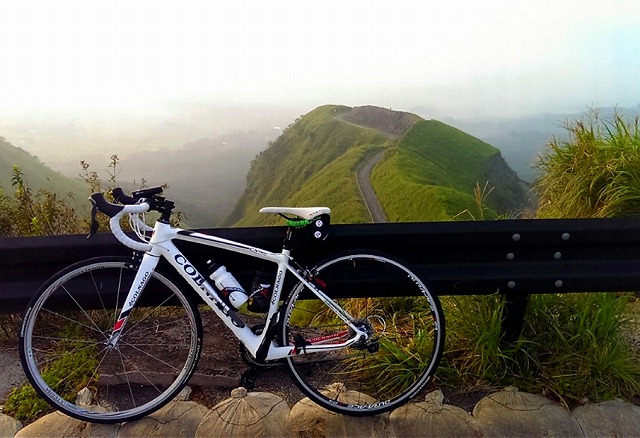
point(63, 342)
point(405, 328)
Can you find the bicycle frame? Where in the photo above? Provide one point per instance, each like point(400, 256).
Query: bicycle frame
point(162, 245)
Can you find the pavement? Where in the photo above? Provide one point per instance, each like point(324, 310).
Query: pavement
point(12, 374)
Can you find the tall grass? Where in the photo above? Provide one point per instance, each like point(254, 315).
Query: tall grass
point(573, 347)
point(596, 173)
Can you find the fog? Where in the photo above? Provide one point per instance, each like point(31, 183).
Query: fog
point(84, 80)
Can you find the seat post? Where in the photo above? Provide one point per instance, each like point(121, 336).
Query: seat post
point(288, 237)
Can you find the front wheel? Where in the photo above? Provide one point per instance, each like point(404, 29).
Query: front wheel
point(66, 356)
point(403, 320)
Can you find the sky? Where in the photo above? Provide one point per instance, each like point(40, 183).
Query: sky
point(96, 60)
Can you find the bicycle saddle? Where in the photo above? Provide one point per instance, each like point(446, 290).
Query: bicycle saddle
point(301, 212)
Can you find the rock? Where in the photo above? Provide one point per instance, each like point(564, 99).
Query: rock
point(511, 413)
point(84, 397)
point(184, 395)
point(246, 414)
point(432, 418)
point(176, 419)
point(307, 419)
point(609, 418)
point(62, 426)
point(9, 426)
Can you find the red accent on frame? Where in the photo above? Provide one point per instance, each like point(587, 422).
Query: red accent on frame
point(118, 325)
point(328, 337)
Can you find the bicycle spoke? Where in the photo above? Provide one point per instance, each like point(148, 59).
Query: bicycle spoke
point(400, 348)
point(94, 328)
point(126, 376)
point(141, 373)
point(84, 312)
point(155, 357)
point(150, 312)
point(97, 290)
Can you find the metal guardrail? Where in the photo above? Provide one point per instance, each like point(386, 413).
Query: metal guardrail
point(512, 257)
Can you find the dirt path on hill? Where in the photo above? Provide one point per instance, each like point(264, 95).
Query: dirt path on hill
point(363, 177)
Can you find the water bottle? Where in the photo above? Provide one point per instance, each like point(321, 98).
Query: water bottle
point(230, 289)
point(260, 293)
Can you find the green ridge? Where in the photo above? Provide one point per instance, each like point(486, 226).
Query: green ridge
point(432, 172)
point(312, 162)
point(428, 174)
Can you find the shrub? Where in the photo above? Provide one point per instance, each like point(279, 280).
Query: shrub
point(35, 214)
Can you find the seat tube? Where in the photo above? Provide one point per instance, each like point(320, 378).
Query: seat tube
point(145, 270)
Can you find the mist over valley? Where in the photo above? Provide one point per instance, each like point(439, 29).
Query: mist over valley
point(204, 153)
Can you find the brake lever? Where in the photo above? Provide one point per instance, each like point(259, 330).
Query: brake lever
point(93, 229)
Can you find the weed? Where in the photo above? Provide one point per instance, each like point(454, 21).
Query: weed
point(572, 347)
point(70, 372)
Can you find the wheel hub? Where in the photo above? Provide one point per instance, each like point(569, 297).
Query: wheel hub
point(370, 341)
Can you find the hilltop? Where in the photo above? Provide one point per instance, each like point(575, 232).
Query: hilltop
point(427, 171)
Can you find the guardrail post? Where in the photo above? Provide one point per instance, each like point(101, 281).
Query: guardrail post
point(515, 307)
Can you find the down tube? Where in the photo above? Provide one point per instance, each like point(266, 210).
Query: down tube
point(208, 293)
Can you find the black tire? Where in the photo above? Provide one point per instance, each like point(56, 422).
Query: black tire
point(406, 327)
point(63, 342)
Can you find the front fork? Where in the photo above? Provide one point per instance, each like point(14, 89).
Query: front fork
point(145, 270)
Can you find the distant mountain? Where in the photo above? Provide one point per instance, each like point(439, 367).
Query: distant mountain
point(205, 177)
point(428, 170)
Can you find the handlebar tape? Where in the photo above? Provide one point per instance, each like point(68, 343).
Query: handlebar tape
point(114, 223)
point(115, 212)
point(104, 206)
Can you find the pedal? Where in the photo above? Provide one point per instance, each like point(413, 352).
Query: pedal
point(300, 343)
point(249, 377)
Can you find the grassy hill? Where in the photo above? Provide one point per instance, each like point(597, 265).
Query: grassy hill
point(429, 170)
point(312, 162)
point(432, 172)
point(38, 176)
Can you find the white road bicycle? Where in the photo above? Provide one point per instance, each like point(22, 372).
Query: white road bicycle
point(113, 339)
